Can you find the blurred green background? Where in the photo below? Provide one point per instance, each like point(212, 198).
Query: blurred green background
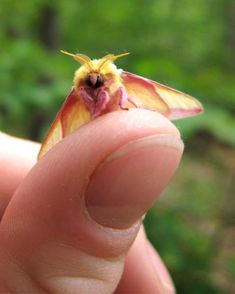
point(186, 44)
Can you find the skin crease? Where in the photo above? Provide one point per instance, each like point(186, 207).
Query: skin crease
point(56, 236)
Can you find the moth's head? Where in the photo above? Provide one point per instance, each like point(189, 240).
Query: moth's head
point(95, 72)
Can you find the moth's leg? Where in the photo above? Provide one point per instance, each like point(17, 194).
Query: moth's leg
point(123, 98)
point(85, 96)
point(121, 92)
point(133, 102)
point(101, 103)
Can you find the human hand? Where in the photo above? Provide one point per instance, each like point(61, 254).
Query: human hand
point(69, 225)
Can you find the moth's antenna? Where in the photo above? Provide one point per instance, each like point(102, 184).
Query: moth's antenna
point(83, 59)
point(114, 57)
point(111, 57)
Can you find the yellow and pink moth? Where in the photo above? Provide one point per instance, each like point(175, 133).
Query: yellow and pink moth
point(100, 87)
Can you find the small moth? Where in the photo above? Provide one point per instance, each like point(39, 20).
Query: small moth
point(100, 87)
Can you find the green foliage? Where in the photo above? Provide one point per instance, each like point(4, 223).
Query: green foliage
point(185, 228)
point(214, 121)
point(188, 45)
point(182, 44)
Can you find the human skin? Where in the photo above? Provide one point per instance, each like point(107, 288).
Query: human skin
point(72, 222)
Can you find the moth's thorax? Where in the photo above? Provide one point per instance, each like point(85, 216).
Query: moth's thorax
point(109, 73)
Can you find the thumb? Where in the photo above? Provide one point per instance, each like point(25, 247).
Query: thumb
point(71, 222)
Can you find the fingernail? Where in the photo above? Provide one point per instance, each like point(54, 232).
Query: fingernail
point(162, 275)
point(127, 183)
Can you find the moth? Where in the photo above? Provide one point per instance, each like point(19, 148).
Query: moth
point(100, 87)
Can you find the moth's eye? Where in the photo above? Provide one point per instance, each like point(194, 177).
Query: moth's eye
point(88, 81)
point(99, 81)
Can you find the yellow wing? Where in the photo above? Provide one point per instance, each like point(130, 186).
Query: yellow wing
point(154, 96)
point(72, 115)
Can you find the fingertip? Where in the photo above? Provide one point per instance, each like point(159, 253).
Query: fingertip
point(127, 183)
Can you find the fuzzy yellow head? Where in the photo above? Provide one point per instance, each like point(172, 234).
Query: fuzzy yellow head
point(103, 67)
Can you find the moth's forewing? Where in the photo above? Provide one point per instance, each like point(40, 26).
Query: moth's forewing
point(73, 114)
point(152, 95)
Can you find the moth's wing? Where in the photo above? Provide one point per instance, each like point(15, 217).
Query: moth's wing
point(72, 115)
point(154, 96)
